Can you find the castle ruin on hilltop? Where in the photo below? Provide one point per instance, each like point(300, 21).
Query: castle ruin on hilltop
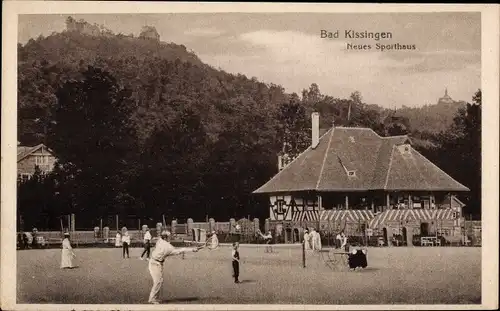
point(86, 28)
point(83, 27)
point(149, 32)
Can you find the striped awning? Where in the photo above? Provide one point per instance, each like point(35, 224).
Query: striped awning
point(305, 216)
point(354, 216)
point(413, 214)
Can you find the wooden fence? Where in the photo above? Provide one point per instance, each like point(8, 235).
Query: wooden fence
point(246, 229)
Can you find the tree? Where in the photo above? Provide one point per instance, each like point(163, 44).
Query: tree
point(173, 164)
point(312, 97)
point(94, 140)
point(396, 125)
point(458, 152)
point(463, 145)
point(37, 202)
point(293, 127)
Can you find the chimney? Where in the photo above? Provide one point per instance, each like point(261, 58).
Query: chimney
point(315, 129)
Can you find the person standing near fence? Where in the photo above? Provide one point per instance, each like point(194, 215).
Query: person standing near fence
point(237, 233)
point(118, 239)
point(125, 242)
point(312, 238)
point(215, 239)
point(67, 254)
point(267, 239)
point(147, 244)
point(307, 243)
point(34, 241)
point(315, 240)
point(342, 238)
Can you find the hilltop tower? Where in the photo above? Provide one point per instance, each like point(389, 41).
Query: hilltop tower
point(446, 99)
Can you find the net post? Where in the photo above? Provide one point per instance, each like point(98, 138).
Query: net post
point(303, 254)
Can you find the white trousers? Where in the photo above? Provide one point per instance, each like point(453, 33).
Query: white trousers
point(156, 271)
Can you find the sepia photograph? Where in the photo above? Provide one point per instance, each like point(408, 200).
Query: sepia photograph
point(248, 158)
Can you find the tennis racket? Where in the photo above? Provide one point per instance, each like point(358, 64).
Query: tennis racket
point(211, 243)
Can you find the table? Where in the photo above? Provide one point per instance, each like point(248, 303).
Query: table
point(336, 259)
point(429, 241)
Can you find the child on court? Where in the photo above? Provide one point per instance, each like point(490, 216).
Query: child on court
point(125, 242)
point(147, 244)
point(236, 262)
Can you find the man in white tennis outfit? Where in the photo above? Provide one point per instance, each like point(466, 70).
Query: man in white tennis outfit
point(162, 250)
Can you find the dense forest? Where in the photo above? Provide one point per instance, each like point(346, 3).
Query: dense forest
point(143, 127)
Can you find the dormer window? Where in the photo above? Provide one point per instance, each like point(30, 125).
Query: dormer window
point(351, 173)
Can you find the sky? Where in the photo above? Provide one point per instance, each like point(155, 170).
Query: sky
point(287, 49)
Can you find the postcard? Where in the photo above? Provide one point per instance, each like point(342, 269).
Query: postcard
point(243, 156)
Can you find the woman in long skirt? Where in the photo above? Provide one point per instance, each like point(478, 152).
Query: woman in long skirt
point(67, 253)
point(317, 240)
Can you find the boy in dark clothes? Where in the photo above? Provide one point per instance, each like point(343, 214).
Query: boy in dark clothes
point(236, 262)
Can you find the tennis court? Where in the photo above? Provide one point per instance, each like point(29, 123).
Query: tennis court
point(399, 275)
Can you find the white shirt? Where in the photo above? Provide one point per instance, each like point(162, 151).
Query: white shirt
point(66, 244)
point(233, 253)
point(147, 236)
point(163, 249)
point(126, 238)
point(268, 236)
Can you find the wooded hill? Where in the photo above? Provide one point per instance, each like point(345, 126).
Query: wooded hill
point(144, 127)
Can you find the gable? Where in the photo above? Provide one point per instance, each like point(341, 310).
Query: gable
point(24, 152)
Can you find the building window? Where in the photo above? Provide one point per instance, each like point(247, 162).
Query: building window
point(351, 139)
point(23, 177)
point(42, 160)
point(280, 204)
point(351, 173)
point(416, 202)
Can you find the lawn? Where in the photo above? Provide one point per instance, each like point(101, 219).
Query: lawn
point(399, 275)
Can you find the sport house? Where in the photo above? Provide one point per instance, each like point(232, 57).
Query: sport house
point(370, 185)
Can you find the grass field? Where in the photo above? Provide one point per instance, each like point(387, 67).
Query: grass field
point(432, 275)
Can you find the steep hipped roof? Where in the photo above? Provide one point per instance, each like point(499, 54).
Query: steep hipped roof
point(23, 151)
point(379, 163)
